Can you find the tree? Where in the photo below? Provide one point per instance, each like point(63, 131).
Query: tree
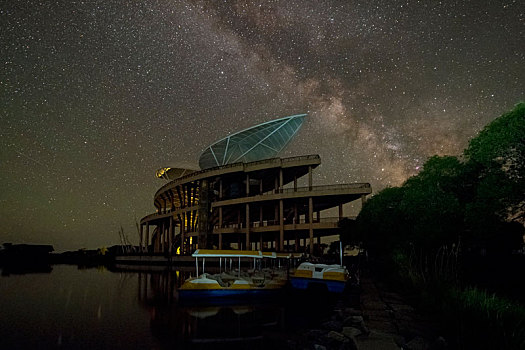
point(450, 199)
point(498, 152)
point(381, 224)
point(431, 203)
point(425, 211)
point(498, 155)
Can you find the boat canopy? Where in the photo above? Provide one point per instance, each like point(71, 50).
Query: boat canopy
point(274, 255)
point(211, 253)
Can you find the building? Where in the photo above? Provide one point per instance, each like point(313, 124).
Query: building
point(244, 197)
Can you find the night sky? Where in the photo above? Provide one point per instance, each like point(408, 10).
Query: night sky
point(97, 95)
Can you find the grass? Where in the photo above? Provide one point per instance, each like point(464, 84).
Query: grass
point(472, 317)
point(487, 321)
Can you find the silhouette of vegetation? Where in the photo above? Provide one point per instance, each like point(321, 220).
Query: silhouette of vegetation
point(478, 200)
point(457, 214)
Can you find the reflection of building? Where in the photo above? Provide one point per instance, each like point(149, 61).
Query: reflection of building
point(179, 325)
point(245, 198)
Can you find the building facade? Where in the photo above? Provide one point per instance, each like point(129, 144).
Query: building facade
point(245, 203)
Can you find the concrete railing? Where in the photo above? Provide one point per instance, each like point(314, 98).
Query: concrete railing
point(267, 223)
point(228, 166)
point(327, 187)
point(298, 158)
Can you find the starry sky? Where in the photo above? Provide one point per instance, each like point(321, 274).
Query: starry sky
point(97, 95)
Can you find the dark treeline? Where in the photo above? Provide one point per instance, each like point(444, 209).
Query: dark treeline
point(454, 233)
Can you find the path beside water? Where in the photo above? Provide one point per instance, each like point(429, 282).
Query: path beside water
point(382, 320)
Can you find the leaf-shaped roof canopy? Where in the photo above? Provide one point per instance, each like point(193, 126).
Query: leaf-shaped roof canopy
point(259, 142)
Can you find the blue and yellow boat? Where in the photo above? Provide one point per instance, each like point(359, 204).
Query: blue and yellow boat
point(333, 277)
point(252, 282)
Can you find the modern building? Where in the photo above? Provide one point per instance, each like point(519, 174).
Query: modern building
point(244, 197)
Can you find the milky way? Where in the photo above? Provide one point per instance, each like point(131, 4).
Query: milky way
point(96, 95)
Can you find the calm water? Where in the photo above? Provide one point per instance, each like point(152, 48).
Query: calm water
point(71, 308)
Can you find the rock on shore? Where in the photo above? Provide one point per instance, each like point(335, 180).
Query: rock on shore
point(383, 321)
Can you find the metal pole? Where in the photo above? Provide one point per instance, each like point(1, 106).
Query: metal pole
point(239, 267)
point(341, 252)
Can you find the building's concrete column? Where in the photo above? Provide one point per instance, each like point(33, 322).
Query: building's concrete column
point(220, 217)
point(141, 243)
point(147, 237)
point(239, 217)
point(163, 236)
point(310, 178)
point(160, 230)
point(281, 181)
point(170, 235)
point(260, 186)
point(167, 235)
point(281, 225)
point(363, 199)
point(183, 234)
point(296, 221)
point(295, 183)
point(261, 215)
point(188, 195)
point(260, 241)
point(310, 226)
point(220, 240)
point(318, 214)
point(340, 211)
point(247, 226)
point(194, 220)
point(247, 218)
point(188, 221)
point(155, 239)
point(220, 189)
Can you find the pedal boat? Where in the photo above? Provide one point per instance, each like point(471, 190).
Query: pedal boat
point(225, 285)
point(333, 277)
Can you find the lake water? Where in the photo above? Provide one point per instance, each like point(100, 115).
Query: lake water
point(72, 308)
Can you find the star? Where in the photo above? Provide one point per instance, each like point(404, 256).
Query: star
point(97, 96)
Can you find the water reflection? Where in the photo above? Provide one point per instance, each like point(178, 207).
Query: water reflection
point(200, 325)
point(23, 269)
point(72, 308)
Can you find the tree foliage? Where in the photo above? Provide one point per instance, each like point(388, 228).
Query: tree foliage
point(473, 199)
point(498, 154)
point(501, 144)
point(380, 223)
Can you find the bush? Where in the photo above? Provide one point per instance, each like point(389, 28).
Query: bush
point(486, 321)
